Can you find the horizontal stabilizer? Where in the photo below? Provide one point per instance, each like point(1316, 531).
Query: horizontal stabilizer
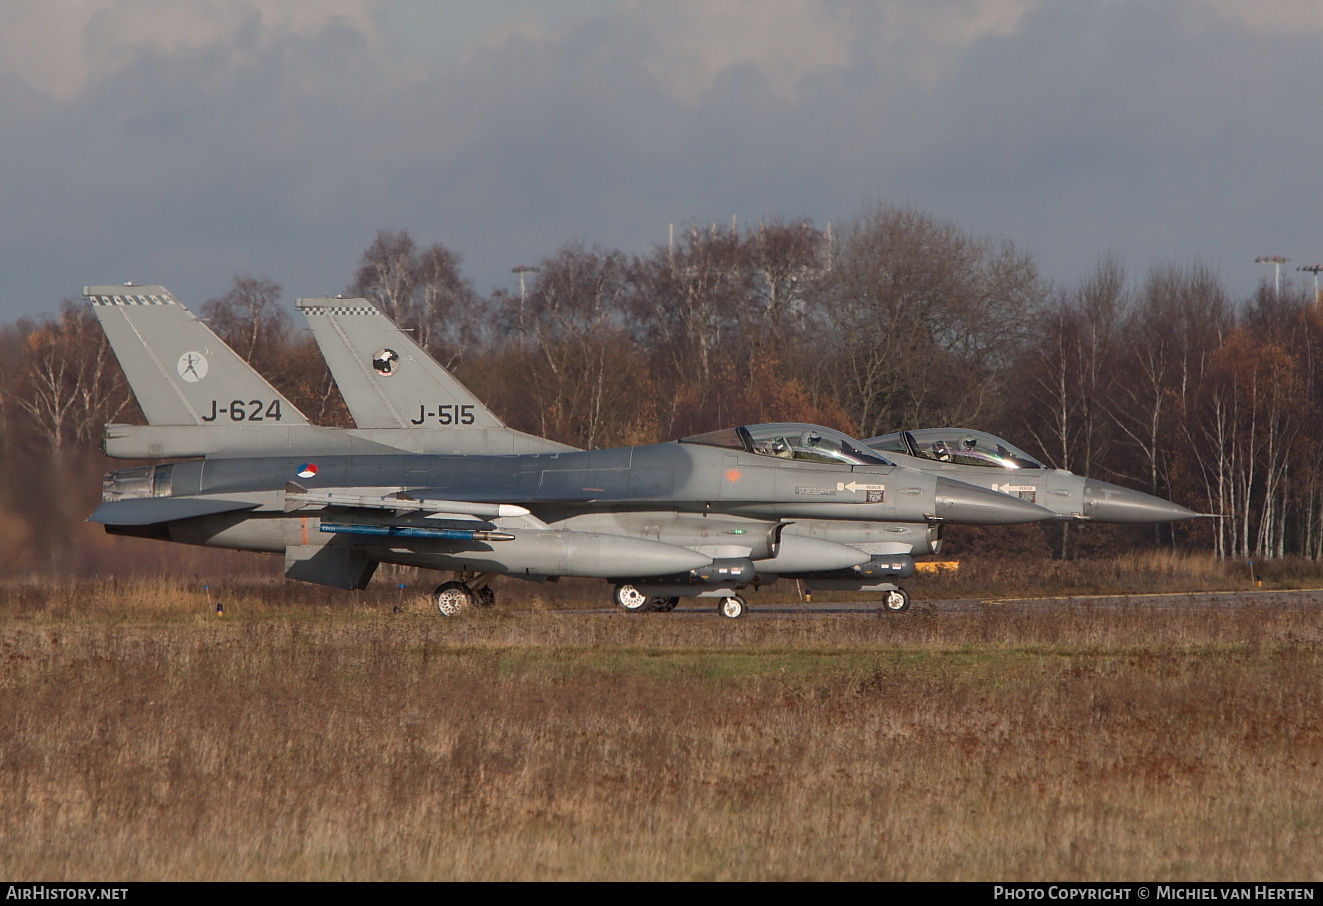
point(153, 510)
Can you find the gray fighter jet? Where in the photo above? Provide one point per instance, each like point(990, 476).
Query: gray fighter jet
point(389, 382)
point(994, 463)
point(706, 516)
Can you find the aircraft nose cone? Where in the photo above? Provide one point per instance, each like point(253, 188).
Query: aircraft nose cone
point(965, 503)
point(1105, 502)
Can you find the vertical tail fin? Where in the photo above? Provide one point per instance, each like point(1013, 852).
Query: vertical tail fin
point(386, 379)
point(179, 370)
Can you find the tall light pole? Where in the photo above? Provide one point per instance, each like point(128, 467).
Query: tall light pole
point(1276, 261)
point(1313, 269)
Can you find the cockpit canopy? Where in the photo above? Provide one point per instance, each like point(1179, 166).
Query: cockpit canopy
point(791, 440)
point(957, 446)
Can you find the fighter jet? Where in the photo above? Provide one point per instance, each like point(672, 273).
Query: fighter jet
point(389, 382)
point(706, 516)
point(991, 462)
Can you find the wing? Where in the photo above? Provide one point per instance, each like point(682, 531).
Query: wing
point(154, 510)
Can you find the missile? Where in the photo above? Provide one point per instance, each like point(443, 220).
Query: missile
point(409, 531)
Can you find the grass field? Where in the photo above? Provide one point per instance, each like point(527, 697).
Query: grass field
point(310, 735)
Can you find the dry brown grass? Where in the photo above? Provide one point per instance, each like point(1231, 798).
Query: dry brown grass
point(313, 736)
point(1137, 572)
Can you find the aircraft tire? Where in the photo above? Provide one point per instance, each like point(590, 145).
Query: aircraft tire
point(629, 599)
point(897, 601)
point(732, 607)
point(486, 596)
point(664, 605)
point(452, 598)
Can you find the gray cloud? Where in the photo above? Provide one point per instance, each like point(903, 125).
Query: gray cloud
point(279, 146)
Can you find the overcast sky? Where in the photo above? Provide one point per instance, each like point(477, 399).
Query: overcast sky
point(184, 141)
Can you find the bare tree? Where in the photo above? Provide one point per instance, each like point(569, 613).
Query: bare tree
point(686, 298)
point(71, 385)
point(593, 386)
point(1254, 406)
point(786, 261)
point(923, 317)
point(422, 290)
point(250, 320)
point(1167, 337)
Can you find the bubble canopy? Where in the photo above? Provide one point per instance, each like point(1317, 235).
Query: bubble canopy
point(791, 440)
point(959, 446)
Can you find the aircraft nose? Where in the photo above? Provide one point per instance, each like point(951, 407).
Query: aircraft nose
point(1105, 502)
point(965, 503)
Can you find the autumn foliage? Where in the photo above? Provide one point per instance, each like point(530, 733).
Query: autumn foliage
point(893, 320)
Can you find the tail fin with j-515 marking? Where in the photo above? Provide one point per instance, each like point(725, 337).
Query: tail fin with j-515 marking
point(386, 379)
point(390, 383)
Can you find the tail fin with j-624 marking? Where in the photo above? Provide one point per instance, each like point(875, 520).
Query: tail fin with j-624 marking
point(179, 370)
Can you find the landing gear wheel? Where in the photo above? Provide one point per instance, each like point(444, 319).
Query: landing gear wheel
point(631, 600)
point(664, 605)
point(897, 601)
point(452, 598)
point(732, 608)
point(486, 596)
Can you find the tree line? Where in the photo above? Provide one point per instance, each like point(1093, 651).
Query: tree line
point(895, 319)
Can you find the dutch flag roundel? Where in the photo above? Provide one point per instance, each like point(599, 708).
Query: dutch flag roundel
point(307, 470)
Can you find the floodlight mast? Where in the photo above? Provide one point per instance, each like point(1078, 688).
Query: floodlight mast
point(1276, 261)
point(1313, 269)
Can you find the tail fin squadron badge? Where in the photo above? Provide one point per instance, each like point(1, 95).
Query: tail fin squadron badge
point(385, 362)
point(192, 367)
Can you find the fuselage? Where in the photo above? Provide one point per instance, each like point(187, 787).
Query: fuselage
point(765, 500)
point(686, 477)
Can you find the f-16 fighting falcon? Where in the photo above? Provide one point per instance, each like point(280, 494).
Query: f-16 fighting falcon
point(353, 336)
point(706, 516)
point(991, 462)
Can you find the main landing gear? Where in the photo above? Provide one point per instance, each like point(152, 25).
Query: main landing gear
point(631, 599)
point(732, 607)
point(452, 598)
point(896, 601)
